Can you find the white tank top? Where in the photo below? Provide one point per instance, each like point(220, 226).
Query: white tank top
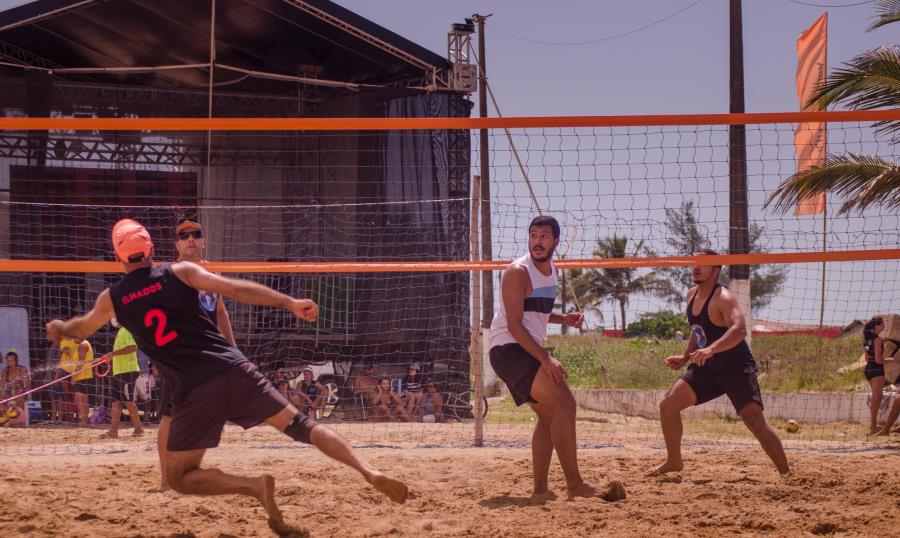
point(538, 306)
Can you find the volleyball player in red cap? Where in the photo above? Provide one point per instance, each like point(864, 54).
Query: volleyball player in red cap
point(212, 382)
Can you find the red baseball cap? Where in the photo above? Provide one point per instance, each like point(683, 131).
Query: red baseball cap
point(131, 241)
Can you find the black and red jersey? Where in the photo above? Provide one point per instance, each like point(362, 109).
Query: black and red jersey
point(170, 325)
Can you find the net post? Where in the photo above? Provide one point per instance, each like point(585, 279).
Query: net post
point(475, 354)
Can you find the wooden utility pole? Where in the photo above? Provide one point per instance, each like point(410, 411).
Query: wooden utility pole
point(487, 277)
point(739, 230)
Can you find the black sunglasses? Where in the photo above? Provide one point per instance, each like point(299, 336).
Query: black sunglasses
point(196, 234)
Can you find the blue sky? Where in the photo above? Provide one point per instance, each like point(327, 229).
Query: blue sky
point(677, 66)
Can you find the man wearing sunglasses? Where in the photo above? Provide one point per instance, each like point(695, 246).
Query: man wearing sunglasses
point(190, 242)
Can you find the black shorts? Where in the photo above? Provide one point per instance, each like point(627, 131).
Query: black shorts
point(741, 388)
point(84, 386)
point(122, 386)
point(240, 395)
point(517, 368)
point(873, 370)
point(165, 398)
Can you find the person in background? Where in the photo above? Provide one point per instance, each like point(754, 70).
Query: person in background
point(60, 393)
point(125, 371)
point(387, 403)
point(412, 389)
point(364, 387)
point(432, 404)
point(14, 379)
point(874, 371)
point(312, 394)
point(77, 358)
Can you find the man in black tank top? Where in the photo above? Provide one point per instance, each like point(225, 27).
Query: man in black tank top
point(190, 242)
point(721, 363)
point(211, 381)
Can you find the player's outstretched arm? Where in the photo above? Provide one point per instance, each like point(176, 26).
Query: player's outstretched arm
point(81, 327)
point(244, 291)
point(572, 319)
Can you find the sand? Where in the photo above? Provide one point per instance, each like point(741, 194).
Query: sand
point(74, 485)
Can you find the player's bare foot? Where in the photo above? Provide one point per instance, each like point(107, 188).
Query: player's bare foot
point(161, 489)
point(394, 489)
point(266, 497)
point(111, 434)
point(137, 433)
point(667, 467)
point(875, 431)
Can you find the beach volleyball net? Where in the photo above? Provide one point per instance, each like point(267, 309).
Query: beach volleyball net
point(396, 230)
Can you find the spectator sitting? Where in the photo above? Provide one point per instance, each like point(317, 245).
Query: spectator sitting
point(387, 403)
point(364, 387)
point(14, 380)
point(412, 389)
point(431, 409)
point(13, 415)
point(311, 395)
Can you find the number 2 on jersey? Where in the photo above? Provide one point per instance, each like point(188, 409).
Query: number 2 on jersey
point(161, 336)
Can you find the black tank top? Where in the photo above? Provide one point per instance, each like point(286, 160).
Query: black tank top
point(736, 360)
point(869, 345)
point(168, 324)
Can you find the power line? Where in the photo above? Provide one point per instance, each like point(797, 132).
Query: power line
point(813, 4)
point(602, 39)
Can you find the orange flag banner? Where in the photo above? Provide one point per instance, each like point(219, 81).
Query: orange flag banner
point(809, 138)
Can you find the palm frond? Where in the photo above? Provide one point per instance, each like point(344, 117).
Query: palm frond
point(869, 81)
point(864, 180)
point(887, 11)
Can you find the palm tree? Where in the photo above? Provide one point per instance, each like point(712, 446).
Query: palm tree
point(868, 82)
point(616, 284)
point(573, 293)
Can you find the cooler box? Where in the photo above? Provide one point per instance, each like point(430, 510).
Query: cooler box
point(34, 411)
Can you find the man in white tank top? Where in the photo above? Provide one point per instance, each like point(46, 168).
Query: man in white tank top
point(528, 292)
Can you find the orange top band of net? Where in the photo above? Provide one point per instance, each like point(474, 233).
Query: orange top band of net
point(362, 124)
point(53, 266)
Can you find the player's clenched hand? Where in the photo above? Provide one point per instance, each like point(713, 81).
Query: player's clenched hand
point(573, 319)
point(555, 370)
point(702, 355)
point(305, 309)
point(675, 362)
point(54, 330)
